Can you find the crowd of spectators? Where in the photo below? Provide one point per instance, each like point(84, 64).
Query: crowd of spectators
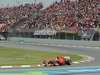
point(64, 16)
point(87, 14)
point(12, 16)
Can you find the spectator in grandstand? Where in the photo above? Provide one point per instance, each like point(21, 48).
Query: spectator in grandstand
point(60, 16)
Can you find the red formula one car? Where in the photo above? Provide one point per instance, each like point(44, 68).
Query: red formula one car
point(59, 61)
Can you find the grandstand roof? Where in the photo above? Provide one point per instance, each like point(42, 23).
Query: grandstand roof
point(4, 3)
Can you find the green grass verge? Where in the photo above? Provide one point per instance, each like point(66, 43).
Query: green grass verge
point(19, 56)
point(25, 73)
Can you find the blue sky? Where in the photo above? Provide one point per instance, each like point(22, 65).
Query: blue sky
point(4, 3)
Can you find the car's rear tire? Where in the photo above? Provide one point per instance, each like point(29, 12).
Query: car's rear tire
point(68, 62)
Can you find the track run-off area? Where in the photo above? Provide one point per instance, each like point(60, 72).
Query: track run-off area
point(90, 48)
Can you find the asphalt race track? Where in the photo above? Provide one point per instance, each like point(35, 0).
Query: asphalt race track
point(94, 52)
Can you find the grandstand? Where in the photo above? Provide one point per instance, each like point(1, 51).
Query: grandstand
point(70, 18)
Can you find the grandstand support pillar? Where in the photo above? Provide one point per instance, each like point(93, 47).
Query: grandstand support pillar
point(99, 36)
point(65, 36)
point(54, 37)
point(73, 37)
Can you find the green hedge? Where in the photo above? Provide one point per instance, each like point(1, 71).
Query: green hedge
point(59, 35)
point(70, 36)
